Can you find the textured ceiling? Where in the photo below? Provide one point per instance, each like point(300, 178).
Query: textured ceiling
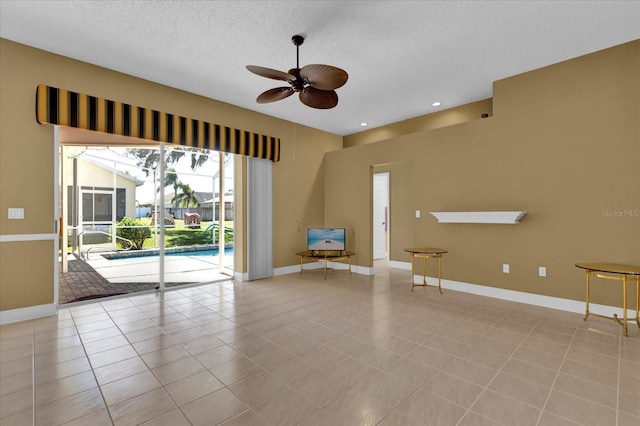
point(400, 55)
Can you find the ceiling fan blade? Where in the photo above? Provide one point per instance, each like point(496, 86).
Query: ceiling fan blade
point(320, 99)
point(273, 95)
point(324, 77)
point(270, 73)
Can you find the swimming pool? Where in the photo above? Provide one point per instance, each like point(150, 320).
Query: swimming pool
point(205, 250)
point(211, 252)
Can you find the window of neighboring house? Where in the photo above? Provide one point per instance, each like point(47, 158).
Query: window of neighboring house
point(96, 207)
point(121, 203)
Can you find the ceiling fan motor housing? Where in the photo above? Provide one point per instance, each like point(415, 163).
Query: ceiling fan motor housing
point(298, 83)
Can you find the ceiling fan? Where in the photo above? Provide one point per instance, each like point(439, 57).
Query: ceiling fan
point(315, 83)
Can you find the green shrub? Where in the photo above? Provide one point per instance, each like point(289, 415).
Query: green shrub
point(136, 235)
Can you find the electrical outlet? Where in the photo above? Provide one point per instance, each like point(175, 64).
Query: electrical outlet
point(542, 271)
point(15, 213)
point(417, 213)
point(505, 268)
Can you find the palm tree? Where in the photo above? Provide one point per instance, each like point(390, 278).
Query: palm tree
point(149, 159)
point(186, 198)
point(171, 179)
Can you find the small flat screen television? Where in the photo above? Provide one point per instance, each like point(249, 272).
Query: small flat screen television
point(326, 239)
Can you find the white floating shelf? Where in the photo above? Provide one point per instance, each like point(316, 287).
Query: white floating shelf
point(479, 217)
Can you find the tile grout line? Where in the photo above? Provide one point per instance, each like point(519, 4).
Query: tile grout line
point(498, 372)
point(93, 373)
point(575, 376)
point(190, 356)
point(418, 388)
point(440, 370)
point(555, 379)
point(159, 300)
point(288, 386)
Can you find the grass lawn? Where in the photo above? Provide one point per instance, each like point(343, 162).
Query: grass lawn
point(174, 236)
point(178, 235)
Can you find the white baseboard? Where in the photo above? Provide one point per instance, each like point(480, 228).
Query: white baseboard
point(399, 265)
point(567, 305)
point(295, 269)
point(356, 269)
point(29, 313)
point(241, 276)
point(362, 270)
point(551, 302)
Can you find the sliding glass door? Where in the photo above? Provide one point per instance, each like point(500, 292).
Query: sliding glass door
point(141, 218)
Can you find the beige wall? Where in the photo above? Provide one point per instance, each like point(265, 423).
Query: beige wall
point(563, 144)
point(27, 160)
point(31, 264)
point(299, 195)
point(447, 117)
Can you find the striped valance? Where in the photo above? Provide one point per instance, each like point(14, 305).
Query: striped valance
point(67, 108)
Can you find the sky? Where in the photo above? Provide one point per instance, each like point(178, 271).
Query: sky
point(200, 180)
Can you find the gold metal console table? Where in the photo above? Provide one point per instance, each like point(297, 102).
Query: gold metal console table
point(325, 256)
point(613, 271)
point(425, 253)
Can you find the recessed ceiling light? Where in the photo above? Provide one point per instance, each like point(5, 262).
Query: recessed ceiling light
point(436, 104)
point(363, 124)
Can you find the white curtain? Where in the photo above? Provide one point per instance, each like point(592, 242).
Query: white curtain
point(259, 218)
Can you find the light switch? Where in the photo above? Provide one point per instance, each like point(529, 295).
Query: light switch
point(542, 271)
point(16, 213)
point(417, 213)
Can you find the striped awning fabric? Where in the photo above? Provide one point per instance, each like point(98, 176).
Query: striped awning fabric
point(72, 109)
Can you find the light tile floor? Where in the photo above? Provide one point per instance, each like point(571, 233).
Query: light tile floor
point(298, 350)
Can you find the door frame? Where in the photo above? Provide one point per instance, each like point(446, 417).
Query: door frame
point(387, 232)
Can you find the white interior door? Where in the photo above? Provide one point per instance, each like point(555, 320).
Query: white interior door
point(380, 215)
